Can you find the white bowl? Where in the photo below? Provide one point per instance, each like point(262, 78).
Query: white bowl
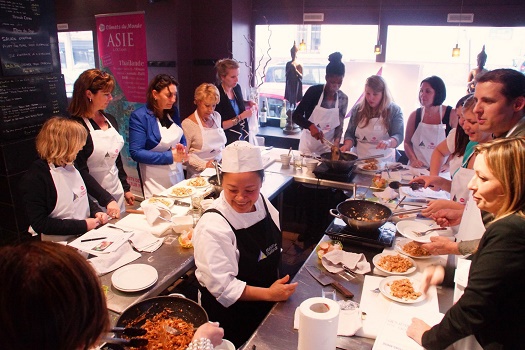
point(225, 345)
point(311, 164)
point(182, 223)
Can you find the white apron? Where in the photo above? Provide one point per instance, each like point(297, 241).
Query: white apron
point(213, 141)
point(326, 119)
point(368, 138)
point(471, 227)
point(101, 163)
point(157, 178)
point(72, 200)
point(427, 137)
point(459, 191)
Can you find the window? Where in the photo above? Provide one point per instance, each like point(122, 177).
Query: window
point(76, 55)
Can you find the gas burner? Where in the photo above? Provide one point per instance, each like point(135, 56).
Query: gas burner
point(382, 237)
point(322, 171)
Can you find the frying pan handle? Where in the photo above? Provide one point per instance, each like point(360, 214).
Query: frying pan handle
point(177, 295)
point(333, 213)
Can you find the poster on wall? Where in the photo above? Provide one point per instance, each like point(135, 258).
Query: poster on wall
point(121, 39)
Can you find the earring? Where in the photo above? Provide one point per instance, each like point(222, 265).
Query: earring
point(90, 100)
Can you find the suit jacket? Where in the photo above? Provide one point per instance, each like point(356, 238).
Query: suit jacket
point(225, 109)
point(144, 135)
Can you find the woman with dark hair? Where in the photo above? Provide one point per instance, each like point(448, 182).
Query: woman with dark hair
point(238, 248)
point(232, 106)
point(51, 299)
point(54, 193)
point(429, 125)
point(322, 110)
point(491, 308)
point(376, 122)
point(156, 139)
point(452, 147)
point(99, 162)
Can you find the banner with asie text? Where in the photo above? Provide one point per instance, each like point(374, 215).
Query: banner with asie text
point(121, 39)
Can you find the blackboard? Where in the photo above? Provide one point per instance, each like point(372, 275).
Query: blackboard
point(26, 102)
point(28, 36)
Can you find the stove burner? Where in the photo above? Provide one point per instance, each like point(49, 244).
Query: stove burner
point(322, 171)
point(383, 237)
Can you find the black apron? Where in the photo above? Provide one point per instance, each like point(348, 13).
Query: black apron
point(260, 253)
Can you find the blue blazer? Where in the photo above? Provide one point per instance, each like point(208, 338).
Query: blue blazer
point(144, 135)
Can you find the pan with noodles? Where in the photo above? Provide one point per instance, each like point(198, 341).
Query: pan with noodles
point(158, 314)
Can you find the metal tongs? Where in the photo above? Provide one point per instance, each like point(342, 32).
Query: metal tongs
point(218, 172)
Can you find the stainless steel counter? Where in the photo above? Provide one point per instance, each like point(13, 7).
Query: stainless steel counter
point(172, 261)
point(277, 332)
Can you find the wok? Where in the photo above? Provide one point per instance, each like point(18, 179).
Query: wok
point(346, 161)
point(182, 308)
point(377, 214)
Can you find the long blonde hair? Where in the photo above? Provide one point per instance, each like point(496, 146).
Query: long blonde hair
point(365, 112)
point(60, 140)
point(222, 67)
point(506, 160)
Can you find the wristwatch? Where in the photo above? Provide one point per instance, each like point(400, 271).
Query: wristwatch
point(235, 120)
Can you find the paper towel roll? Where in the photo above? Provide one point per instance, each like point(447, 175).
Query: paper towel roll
point(318, 320)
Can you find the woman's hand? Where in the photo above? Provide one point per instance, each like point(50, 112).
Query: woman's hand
point(246, 114)
point(315, 132)
point(92, 223)
point(416, 163)
point(416, 330)
point(436, 182)
point(432, 276)
point(113, 209)
point(280, 290)
point(102, 217)
point(210, 164)
point(130, 197)
point(438, 204)
point(384, 144)
point(448, 217)
point(179, 153)
point(347, 145)
point(210, 330)
point(440, 245)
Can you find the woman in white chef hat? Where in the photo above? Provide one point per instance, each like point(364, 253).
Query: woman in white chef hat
point(237, 245)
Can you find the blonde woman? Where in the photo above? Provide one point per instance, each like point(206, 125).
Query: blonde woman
point(492, 307)
point(203, 131)
point(232, 106)
point(376, 122)
point(53, 191)
point(99, 161)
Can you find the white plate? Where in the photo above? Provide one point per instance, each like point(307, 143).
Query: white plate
point(134, 277)
point(399, 247)
point(406, 228)
point(188, 193)
point(376, 258)
point(189, 182)
point(168, 202)
point(362, 165)
point(385, 289)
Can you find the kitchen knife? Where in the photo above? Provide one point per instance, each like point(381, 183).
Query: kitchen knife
point(181, 203)
point(325, 280)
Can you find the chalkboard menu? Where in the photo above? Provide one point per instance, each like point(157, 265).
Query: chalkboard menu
point(26, 102)
point(28, 37)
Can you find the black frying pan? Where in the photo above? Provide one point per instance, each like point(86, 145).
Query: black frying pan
point(182, 308)
point(362, 215)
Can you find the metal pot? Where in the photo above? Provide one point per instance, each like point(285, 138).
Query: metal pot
point(352, 212)
point(183, 308)
point(344, 164)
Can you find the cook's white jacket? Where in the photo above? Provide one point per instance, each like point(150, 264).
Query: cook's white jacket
point(215, 248)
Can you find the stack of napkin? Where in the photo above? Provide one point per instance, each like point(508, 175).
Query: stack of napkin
point(333, 262)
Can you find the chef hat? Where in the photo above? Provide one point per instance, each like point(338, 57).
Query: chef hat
point(241, 157)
